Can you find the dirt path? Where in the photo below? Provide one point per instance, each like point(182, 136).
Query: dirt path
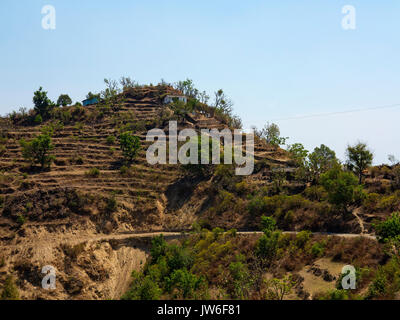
point(360, 221)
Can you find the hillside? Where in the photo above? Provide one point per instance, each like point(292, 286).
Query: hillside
point(92, 217)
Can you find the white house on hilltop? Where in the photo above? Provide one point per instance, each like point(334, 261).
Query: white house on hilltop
point(170, 99)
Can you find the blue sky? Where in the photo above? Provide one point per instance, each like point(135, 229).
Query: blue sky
point(275, 59)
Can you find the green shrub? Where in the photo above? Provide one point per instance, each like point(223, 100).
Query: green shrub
point(94, 173)
point(37, 150)
point(2, 150)
point(341, 187)
point(21, 219)
point(268, 224)
point(142, 288)
point(388, 229)
point(186, 283)
point(130, 145)
point(267, 245)
point(10, 290)
point(38, 119)
point(110, 140)
point(302, 238)
point(317, 249)
point(111, 204)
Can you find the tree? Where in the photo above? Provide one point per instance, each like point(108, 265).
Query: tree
point(298, 153)
point(223, 103)
point(91, 96)
point(268, 224)
point(64, 100)
point(279, 288)
point(271, 133)
point(130, 145)
point(127, 83)
point(359, 158)
point(42, 103)
point(112, 90)
point(321, 160)
point(342, 187)
point(388, 229)
point(142, 288)
point(187, 88)
point(393, 159)
point(37, 150)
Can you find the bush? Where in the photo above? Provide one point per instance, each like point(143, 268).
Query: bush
point(130, 145)
point(341, 187)
point(10, 290)
point(94, 173)
point(111, 204)
point(185, 283)
point(388, 229)
point(268, 224)
point(110, 140)
point(143, 288)
point(37, 150)
point(2, 149)
point(302, 238)
point(38, 119)
point(317, 249)
point(267, 245)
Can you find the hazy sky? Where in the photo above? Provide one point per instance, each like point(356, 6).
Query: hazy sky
point(275, 59)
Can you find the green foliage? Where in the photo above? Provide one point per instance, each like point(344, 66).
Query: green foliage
point(110, 140)
point(130, 145)
point(111, 204)
point(37, 150)
point(187, 88)
point(52, 128)
point(277, 289)
point(335, 294)
point(342, 187)
point(186, 283)
point(386, 282)
point(271, 134)
point(267, 245)
point(42, 103)
point(142, 288)
point(10, 290)
point(21, 219)
point(318, 249)
point(388, 229)
point(321, 160)
point(93, 172)
point(241, 278)
point(2, 149)
point(298, 153)
point(359, 158)
point(268, 224)
point(38, 119)
point(64, 100)
point(302, 238)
